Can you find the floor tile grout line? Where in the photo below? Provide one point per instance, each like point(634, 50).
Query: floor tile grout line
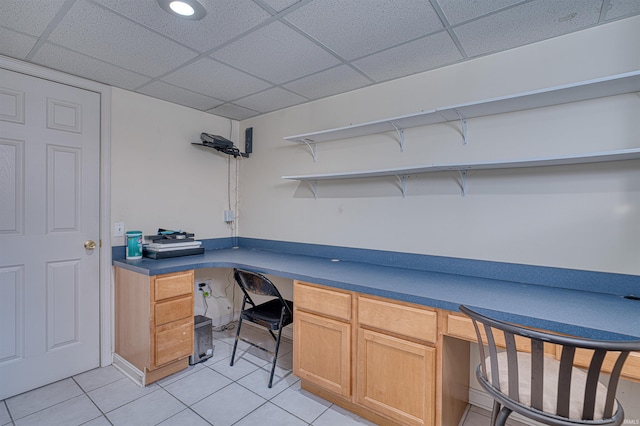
point(6, 406)
point(102, 413)
point(45, 408)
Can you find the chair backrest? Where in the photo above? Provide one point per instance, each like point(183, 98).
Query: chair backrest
point(252, 282)
point(489, 330)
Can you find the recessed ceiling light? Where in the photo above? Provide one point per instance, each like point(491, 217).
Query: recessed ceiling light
point(186, 9)
point(181, 8)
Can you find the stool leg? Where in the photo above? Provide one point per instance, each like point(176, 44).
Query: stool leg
point(503, 416)
point(494, 412)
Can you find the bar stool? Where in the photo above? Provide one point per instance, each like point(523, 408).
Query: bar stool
point(544, 389)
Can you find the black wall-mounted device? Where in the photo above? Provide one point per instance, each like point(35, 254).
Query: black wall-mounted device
point(248, 140)
point(220, 144)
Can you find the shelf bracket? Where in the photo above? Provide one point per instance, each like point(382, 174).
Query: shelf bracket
point(402, 182)
point(400, 135)
point(463, 121)
point(313, 186)
point(463, 181)
point(312, 149)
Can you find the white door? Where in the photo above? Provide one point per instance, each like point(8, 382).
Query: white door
point(49, 207)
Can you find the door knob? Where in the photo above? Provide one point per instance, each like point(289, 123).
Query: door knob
point(89, 244)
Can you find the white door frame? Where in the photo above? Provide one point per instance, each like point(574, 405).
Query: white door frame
point(106, 305)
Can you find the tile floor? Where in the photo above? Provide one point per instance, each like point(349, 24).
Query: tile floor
point(211, 392)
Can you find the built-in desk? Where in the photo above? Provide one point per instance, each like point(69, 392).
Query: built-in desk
point(589, 314)
point(581, 313)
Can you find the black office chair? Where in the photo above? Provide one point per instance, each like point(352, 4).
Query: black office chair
point(542, 388)
point(274, 315)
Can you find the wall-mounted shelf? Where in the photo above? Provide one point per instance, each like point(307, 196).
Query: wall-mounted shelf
point(401, 173)
point(585, 90)
point(398, 124)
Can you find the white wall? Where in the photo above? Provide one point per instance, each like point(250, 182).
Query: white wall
point(583, 217)
point(160, 180)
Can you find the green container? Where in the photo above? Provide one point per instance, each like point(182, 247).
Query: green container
point(134, 245)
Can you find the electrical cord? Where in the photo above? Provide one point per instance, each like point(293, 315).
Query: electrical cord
point(204, 300)
point(209, 293)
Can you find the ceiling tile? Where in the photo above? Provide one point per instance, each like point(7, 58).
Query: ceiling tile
point(330, 82)
point(29, 16)
point(271, 100)
point(354, 29)
point(15, 44)
point(230, 62)
point(52, 56)
point(620, 8)
point(280, 5)
point(525, 24)
point(457, 11)
point(178, 95)
point(96, 32)
point(277, 54)
point(424, 54)
point(225, 19)
point(233, 112)
point(211, 78)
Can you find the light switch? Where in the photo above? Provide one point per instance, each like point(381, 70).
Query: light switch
point(118, 229)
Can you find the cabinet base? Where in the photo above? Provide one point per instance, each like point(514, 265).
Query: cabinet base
point(143, 378)
point(166, 370)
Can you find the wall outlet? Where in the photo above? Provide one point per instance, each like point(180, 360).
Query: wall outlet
point(205, 287)
point(228, 216)
point(118, 229)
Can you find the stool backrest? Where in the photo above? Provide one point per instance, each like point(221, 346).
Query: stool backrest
point(489, 330)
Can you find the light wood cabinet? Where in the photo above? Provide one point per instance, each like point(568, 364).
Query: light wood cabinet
point(323, 356)
point(373, 356)
point(396, 360)
point(392, 362)
point(154, 323)
point(322, 343)
point(396, 377)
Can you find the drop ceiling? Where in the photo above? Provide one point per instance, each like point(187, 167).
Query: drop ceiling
point(250, 57)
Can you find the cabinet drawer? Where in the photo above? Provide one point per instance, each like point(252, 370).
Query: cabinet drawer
point(631, 369)
point(173, 341)
point(323, 301)
point(398, 319)
point(172, 285)
point(462, 327)
point(173, 310)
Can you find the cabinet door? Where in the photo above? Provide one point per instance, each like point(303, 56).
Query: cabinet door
point(396, 378)
point(322, 352)
point(173, 341)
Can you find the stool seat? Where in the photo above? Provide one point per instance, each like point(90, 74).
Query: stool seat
point(550, 387)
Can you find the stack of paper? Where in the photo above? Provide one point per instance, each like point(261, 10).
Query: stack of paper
point(172, 245)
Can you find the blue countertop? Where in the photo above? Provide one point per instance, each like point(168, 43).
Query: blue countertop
point(582, 313)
